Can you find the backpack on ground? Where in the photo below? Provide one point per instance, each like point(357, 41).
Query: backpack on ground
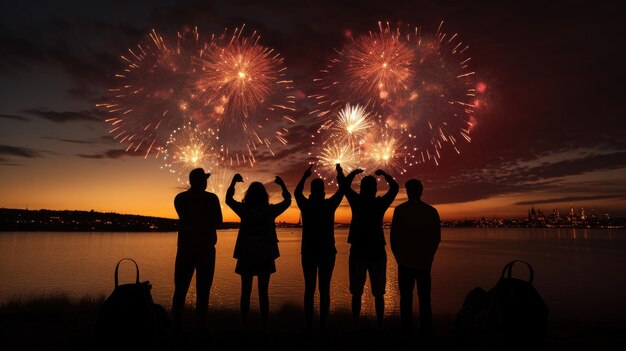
point(512, 315)
point(129, 316)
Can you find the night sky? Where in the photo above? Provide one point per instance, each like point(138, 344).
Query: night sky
point(552, 132)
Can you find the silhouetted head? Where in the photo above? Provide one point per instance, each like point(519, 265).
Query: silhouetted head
point(368, 186)
point(256, 195)
point(317, 189)
point(414, 189)
point(197, 179)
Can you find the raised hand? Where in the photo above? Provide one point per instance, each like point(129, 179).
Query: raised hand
point(338, 168)
point(308, 172)
point(278, 180)
point(380, 172)
point(357, 171)
point(237, 178)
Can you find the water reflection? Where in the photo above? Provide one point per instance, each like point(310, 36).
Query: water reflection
point(572, 266)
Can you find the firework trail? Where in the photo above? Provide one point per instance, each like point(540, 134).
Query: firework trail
point(153, 93)
point(419, 86)
point(245, 89)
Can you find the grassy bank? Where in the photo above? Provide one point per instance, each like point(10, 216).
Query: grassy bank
point(59, 322)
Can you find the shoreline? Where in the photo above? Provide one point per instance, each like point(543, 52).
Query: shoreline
point(61, 322)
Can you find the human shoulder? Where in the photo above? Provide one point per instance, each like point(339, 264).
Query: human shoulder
point(211, 195)
point(432, 211)
point(182, 195)
point(431, 208)
point(402, 207)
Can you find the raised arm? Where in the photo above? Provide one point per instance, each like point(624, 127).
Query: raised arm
point(235, 205)
point(283, 205)
point(335, 200)
point(393, 188)
point(300, 199)
point(345, 184)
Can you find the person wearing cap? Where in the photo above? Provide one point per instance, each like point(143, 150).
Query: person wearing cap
point(199, 214)
point(414, 238)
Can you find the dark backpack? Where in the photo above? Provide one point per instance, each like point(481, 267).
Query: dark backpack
point(129, 316)
point(512, 315)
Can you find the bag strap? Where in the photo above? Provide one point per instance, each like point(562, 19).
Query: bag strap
point(509, 268)
point(118, 266)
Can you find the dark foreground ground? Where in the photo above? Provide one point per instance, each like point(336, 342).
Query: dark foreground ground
point(60, 323)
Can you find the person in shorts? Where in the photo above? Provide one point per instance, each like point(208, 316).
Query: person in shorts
point(367, 239)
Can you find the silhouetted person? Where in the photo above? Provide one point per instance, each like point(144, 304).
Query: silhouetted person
point(318, 243)
point(199, 214)
point(367, 239)
point(415, 236)
point(256, 247)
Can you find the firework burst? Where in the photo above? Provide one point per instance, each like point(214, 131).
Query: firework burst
point(353, 123)
point(420, 87)
point(153, 92)
point(244, 86)
point(439, 106)
point(187, 148)
point(334, 153)
point(384, 149)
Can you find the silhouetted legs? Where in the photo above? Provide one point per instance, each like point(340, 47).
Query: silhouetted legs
point(309, 268)
point(423, 294)
point(186, 262)
point(264, 302)
point(407, 278)
point(378, 279)
point(326, 267)
point(205, 271)
point(244, 303)
point(311, 265)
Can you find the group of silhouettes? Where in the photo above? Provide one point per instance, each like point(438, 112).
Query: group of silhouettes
point(414, 238)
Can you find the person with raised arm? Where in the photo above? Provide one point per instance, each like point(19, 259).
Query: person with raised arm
point(367, 239)
point(318, 243)
point(256, 248)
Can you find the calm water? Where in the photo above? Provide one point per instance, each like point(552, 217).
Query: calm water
point(580, 273)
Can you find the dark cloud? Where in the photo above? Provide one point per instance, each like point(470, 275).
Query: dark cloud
point(513, 177)
point(93, 156)
point(73, 141)
point(65, 116)
point(14, 117)
point(112, 154)
point(17, 151)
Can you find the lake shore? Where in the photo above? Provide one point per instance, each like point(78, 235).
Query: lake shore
point(59, 322)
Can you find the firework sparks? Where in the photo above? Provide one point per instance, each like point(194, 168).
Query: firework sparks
point(420, 86)
point(440, 105)
point(153, 93)
point(248, 96)
point(188, 148)
point(383, 150)
point(353, 122)
point(343, 153)
point(378, 64)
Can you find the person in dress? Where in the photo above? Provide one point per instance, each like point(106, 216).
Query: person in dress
point(256, 248)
